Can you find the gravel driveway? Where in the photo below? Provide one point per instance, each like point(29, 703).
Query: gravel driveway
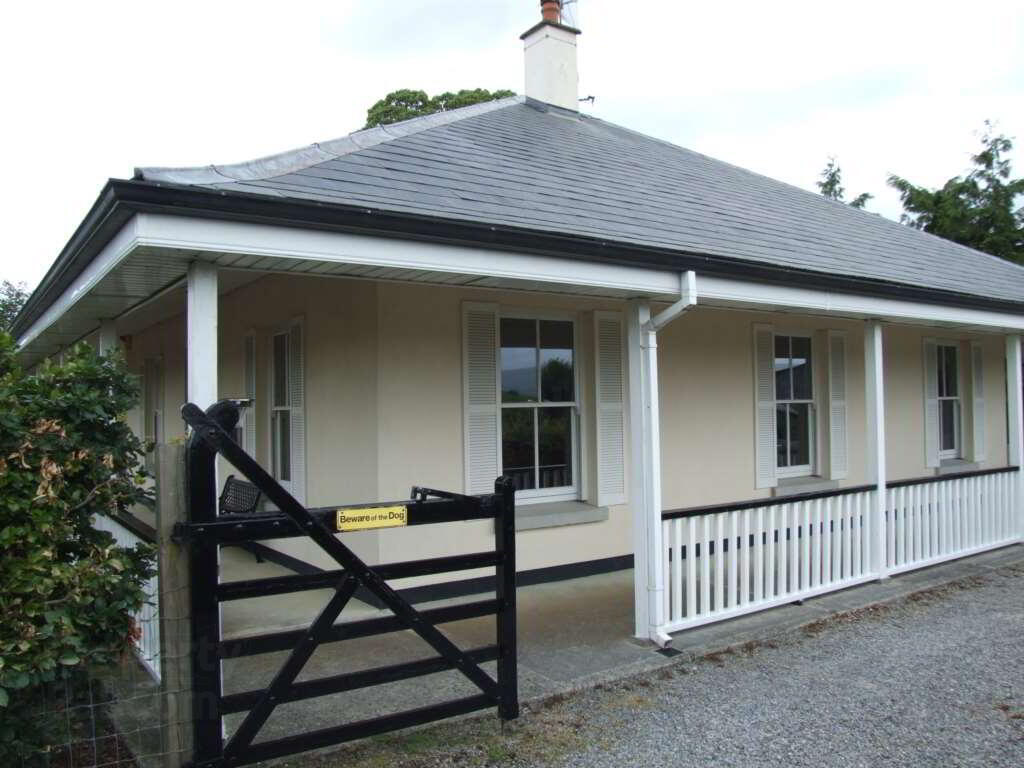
point(936, 679)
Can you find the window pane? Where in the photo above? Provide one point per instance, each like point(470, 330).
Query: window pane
point(517, 456)
point(284, 448)
point(556, 379)
point(801, 365)
point(281, 369)
point(947, 420)
point(948, 385)
point(799, 434)
point(518, 361)
point(783, 388)
point(555, 427)
point(781, 443)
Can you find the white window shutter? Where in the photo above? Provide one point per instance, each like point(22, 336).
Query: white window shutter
point(765, 437)
point(297, 401)
point(838, 446)
point(609, 389)
point(480, 396)
point(931, 403)
point(978, 401)
point(249, 414)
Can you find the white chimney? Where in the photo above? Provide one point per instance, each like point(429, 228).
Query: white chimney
point(550, 52)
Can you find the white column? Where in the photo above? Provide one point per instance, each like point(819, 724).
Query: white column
point(1015, 424)
point(201, 335)
point(874, 408)
point(645, 475)
point(108, 337)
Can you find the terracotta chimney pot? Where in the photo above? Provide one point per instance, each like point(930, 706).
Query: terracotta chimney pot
point(551, 10)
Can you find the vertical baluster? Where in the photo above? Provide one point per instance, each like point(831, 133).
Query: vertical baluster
point(805, 546)
point(783, 558)
point(734, 534)
point(973, 524)
point(677, 568)
point(758, 554)
point(745, 559)
point(705, 565)
point(691, 567)
point(857, 533)
point(815, 543)
point(847, 565)
point(769, 562)
point(838, 525)
point(720, 561)
point(913, 521)
point(944, 517)
point(825, 532)
point(900, 527)
point(986, 510)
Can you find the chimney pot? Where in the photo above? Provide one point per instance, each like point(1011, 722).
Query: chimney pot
point(551, 10)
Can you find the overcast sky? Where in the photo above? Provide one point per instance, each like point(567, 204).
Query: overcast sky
point(92, 90)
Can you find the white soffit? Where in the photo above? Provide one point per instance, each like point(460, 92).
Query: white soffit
point(153, 251)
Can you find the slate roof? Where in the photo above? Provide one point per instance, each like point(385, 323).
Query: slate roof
point(519, 163)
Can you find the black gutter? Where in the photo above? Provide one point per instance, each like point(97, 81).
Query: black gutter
point(122, 198)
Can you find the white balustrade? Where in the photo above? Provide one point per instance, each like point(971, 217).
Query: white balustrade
point(147, 618)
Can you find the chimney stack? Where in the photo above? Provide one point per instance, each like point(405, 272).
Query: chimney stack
point(550, 54)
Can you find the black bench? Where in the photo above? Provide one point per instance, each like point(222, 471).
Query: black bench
point(239, 497)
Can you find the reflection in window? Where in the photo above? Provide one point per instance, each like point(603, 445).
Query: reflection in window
point(538, 395)
point(794, 403)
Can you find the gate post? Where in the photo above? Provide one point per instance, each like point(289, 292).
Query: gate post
point(173, 580)
point(505, 591)
point(201, 496)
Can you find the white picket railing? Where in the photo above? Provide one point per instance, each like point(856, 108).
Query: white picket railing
point(147, 646)
point(732, 559)
point(724, 562)
point(943, 519)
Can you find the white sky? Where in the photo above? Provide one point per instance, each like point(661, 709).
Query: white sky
point(92, 90)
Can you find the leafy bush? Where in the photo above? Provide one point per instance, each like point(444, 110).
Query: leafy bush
point(67, 592)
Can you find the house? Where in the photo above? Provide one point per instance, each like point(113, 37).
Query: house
point(752, 393)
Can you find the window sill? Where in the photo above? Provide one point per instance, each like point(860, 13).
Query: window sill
point(557, 513)
point(952, 466)
point(790, 486)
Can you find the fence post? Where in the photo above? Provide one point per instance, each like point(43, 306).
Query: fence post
point(175, 629)
point(505, 545)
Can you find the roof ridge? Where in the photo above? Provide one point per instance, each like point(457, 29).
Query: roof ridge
point(293, 160)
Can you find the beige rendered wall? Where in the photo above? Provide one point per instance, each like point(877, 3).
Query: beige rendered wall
point(384, 403)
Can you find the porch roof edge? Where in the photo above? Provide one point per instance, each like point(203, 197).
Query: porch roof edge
point(120, 199)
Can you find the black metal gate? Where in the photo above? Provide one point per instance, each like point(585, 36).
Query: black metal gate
point(206, 532)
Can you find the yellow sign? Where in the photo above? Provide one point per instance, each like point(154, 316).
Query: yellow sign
point(372, 517)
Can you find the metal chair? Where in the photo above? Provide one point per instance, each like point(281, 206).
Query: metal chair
point(239, 497)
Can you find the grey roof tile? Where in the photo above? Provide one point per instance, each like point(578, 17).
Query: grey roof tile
point(521, 164)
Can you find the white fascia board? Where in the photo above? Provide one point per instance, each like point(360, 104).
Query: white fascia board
point(726, 291)
point(167, 231)
point(113, 254)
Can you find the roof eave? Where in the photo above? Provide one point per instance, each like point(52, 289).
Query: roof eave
point(120, 199)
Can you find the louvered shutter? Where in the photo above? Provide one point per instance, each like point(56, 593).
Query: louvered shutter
point(838, 447)
point(249, 414)
point(480, 396)
point(764, 406)
point(297, 403)
point(978, 401)
point(608, 394)
point(931, 403)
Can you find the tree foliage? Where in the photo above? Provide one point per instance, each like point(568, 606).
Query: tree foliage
point(978, 210)
point(406, 104)
point(831, 186)
point(12, 298)
point(68, 591)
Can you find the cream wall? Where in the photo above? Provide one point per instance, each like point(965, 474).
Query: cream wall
point(383, 365)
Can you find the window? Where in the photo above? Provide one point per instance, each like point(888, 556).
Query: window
point(153, 406)
point(539, 406)
point(245, 431)
point(794, 406)
point(281, 412)
point(948, 380)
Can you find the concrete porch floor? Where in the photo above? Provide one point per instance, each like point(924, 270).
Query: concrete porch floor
point(572, 634)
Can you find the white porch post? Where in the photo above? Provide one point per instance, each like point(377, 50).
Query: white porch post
point(1015, 424)
point(201, 338)
point(108, 337)
point(645, 473)
point(874, 407)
